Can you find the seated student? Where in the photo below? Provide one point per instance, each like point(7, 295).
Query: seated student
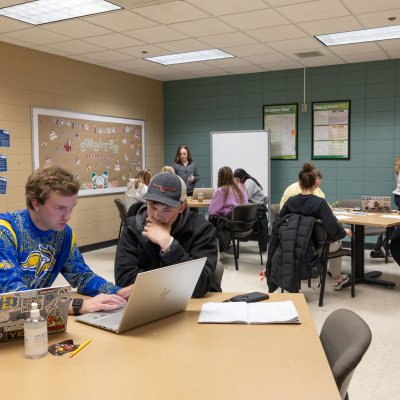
point(166, 232)
point(295, 188)
point(36, 244)
point(308, 204)
point(137, 188)
point(253, 187)
point(167, 168)
point(228, 195)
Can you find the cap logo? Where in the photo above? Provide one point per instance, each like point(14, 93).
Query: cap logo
point(163, 189)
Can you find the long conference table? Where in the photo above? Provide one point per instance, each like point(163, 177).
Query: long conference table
point(176, 358)
point(358, 222)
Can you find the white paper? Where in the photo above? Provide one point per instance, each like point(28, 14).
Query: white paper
point(340, 217)
point(249, 313)
point(390, 216)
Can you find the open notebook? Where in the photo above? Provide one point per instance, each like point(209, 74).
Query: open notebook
point(279, 312)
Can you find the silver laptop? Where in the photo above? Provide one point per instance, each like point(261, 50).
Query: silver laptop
point(208, 193)
point(375, 203)
point(15, 307)
point(155, 294)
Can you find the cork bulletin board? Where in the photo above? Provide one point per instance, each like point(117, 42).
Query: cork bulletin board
point(103, 152)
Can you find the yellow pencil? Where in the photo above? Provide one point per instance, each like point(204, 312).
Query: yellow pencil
point(80, 347)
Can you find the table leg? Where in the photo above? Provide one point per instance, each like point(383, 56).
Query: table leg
point(358, 259)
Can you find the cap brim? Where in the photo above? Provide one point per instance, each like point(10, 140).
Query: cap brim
point(161, 199)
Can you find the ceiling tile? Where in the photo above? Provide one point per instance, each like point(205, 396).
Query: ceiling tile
point(277, 33)
point(333, 25)
point(319, 61)
point(119, 21)
point(290, 64)
point(76, 28)
point(114, 41)
point(37, 36)
point(155, 34)
point(138, 64)
point(249, 50)
point(146, 50)
point(363, 6)
point(310, 11)
point(228, 39)
point(267, 58)
point(277, 3)
point(169, 13)
point(224, 7)
point(75, 47)
point(184, 46)
point(356, 58)
point(255, 19)
point(203, 27)
point(378, 19)
point(108, 55)
point(354, 48)
point(296, 45)
point(17, 42)
point(8, 25)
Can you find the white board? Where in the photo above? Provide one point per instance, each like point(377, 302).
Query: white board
point(242, 149)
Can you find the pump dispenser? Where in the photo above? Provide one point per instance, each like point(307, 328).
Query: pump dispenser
point(35, 334)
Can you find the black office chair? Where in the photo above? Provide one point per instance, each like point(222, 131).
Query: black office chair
point(345, 338)
point(122, 214)
point(321, 243)
point(261, 227)
point(242, 223)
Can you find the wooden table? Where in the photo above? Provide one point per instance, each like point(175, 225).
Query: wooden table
point(358, 222)
point(198, 204)
point(176, 358)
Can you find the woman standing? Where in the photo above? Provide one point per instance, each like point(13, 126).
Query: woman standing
point(137, 188)
point(396, 192)
point(185, 168)
point(254, 188)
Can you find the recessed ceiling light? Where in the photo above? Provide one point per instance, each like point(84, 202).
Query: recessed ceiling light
point(45, 11)
point(361, 36)
point(193, 56)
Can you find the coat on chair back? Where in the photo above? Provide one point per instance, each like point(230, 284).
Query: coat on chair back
point(291, 255)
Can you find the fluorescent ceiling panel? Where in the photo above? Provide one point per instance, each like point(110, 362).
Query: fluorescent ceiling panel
point(45, 11)
point(193, 56)
point(360, 36)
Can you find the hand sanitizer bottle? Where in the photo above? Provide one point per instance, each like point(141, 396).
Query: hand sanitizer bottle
point(35, 334)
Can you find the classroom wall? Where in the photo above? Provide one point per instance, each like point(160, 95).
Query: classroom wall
point(32, 78)
point(193, 108)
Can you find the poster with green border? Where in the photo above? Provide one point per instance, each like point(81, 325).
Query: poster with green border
point(331, 130)
point(281, 121)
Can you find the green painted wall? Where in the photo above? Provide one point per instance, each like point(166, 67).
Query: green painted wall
point(193, 108)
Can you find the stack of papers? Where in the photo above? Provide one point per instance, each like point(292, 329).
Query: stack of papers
point(280, 312)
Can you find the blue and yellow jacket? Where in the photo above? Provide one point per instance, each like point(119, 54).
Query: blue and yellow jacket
point(31, 258)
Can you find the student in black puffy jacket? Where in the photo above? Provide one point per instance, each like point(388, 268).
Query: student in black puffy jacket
point(308, 204)
point(165, 232)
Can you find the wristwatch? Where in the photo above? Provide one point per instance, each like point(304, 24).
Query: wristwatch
point(76, 306)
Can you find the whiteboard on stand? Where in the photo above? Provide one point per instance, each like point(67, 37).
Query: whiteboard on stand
point(242, 149)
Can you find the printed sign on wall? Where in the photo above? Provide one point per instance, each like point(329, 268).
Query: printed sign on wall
point(103, 152)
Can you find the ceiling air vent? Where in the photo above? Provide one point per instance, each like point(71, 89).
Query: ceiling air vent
point(309, 54)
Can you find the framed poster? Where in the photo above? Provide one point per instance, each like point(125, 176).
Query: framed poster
point(281, 121)
point(331, 130)
point(103, 152)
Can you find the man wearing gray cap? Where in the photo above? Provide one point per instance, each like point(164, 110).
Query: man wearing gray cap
point(165, 232)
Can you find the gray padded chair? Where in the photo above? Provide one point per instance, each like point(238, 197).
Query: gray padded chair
point(345, 338)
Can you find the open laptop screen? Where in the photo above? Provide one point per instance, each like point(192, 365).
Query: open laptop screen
point(375, 203)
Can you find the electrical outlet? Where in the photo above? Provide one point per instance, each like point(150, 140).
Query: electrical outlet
point(304, 107)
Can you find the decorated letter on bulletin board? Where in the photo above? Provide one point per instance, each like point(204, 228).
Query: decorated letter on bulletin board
point(103, 152)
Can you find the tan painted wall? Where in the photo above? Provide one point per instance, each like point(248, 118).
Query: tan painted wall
point(32, 78)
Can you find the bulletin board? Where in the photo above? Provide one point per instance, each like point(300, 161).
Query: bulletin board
point(103, 152)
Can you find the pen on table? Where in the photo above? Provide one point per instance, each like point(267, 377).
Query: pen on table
point(84, 344)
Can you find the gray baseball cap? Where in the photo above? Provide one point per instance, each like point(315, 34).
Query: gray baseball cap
point(166, 188)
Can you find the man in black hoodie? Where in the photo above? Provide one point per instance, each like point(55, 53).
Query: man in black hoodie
point(165, 232)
